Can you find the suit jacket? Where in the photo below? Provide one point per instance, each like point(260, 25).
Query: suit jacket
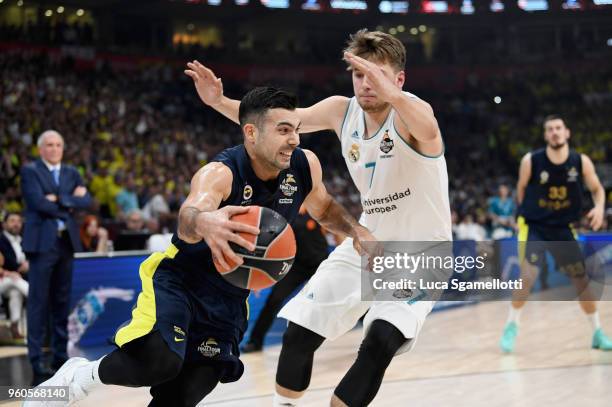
point(40, 228)
point(10, 257)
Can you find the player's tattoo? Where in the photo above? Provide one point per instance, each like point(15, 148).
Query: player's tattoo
point(187, 223)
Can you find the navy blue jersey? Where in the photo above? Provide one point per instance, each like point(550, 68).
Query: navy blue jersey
point(553, 196)
point(284, 194)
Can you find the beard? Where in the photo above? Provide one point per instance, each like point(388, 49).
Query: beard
point(375, 107)
point(557, 146)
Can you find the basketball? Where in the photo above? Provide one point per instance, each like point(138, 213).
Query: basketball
point(273, 255)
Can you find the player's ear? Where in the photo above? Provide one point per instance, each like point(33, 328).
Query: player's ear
point(400, 78)
point(250, 132)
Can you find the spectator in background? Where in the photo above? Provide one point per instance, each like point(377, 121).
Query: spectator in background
point(127, 198)
point(10, 244)
point(501, 212)
point(94, 238)
point(157, 205)
point(134, 221)
point(12, 270)
point(470, 230)
point(52, 192)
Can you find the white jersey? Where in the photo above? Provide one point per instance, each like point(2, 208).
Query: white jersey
point(404, 194)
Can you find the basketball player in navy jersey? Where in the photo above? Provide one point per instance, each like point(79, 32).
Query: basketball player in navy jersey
point(184, 333)
point(549, 192)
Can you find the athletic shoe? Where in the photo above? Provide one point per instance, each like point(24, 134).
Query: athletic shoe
point(63, 377)
point(601, 341)
point(508, 337)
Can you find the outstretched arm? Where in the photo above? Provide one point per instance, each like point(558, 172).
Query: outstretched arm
point(328, 212)
point(327, 114)
point(200, 218)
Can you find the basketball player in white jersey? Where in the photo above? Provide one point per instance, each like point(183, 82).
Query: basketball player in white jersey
point(394, 152)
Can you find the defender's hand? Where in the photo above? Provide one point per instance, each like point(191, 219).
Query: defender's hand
point(371, 250)
point(384, 87)
point(218, 230)
point(209, 87)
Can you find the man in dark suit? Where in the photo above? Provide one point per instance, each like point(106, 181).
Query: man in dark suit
point(12, 283)
point(52, 192)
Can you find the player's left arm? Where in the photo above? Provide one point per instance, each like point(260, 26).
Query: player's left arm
point(595, 215)
point(417, 125)
point(328, 212)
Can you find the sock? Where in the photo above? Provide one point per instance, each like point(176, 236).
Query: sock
point(514, 315)
point(87, 376)
point(282, 401)
point(594, 319)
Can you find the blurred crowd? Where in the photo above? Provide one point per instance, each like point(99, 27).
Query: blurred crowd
point(137, 137)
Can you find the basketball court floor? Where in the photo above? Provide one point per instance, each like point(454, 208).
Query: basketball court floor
point(456, 362)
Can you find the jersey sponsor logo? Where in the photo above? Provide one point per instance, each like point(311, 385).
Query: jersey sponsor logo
point(544, 177)
point(247, 192)
point(285, 201)
point(179, 330)
point(285, 269)
point(288, 186)
point(386, 144)
point(385, 204)
point(209, 348)
point(353, 154)
point(572, 175)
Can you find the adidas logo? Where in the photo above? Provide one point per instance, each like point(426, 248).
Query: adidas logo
point(310, 296)
point(355, 134)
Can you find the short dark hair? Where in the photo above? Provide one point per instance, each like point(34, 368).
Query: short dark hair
point(257, 102)
point(9, 214)
point(551, 117)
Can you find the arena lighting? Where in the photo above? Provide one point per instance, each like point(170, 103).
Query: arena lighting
point(190, 27)
point(60, 9)
point(20, 3)
point(392, 31)
point(80, 12)
point(422, 28)
point(497, 100)
point(401, 28)
point(609, 42)
point(48, 13)
point(414, 31)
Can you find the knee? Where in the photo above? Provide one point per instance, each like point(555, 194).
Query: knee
point(163, 367)
point(300, 339)
point(381, 343)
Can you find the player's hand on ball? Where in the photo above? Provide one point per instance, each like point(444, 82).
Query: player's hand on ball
point(218, 230)
point(209, 87)
point(595, 217)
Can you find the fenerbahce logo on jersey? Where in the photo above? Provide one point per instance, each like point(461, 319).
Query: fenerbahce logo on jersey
point(247, 194)
point(386, 144)
point(209, 348)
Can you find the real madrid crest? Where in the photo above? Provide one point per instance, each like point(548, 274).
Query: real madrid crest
point(386, 144)
point(544, 177)
point(353, 153)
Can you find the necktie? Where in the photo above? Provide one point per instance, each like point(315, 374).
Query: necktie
point(55, 172)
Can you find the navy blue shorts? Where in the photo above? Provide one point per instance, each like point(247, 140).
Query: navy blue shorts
point(202, 323)
point(560, 241)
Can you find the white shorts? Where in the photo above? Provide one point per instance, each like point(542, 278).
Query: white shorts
point(330, 303)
